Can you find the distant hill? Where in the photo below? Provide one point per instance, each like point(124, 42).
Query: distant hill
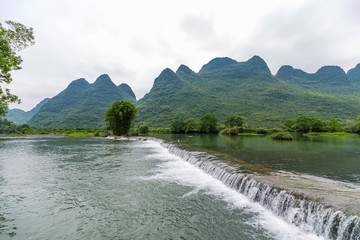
point(19, 116)
point(328, 79)
point(82, 104)
point(354, 75)
point(224, 86)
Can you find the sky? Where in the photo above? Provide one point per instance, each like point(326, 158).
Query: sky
point(133, 41)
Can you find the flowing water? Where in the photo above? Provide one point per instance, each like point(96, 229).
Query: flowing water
point(70, 188)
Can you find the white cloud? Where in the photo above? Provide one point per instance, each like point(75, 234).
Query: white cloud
point(133, 41)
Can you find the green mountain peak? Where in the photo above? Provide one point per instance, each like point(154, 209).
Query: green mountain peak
point(258, 65)
point(354, 74)
point(217, 63)
point(184, 70)
point(332, 75)
point(127, 89)
point(104, 80)
point(79, 83)
point(81, 104)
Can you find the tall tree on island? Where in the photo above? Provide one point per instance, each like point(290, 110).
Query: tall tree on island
point(120, 116)
point(12, 40)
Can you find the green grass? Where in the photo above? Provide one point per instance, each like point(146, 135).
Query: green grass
point(330, 134)
point(80, 134)
point(251, 134)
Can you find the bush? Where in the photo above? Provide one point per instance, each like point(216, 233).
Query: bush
point(143, 129)
point(282, 136)
point(163, 130)
point(261, 130)
point(230, 131)
point(234, 121)
point(178, 126)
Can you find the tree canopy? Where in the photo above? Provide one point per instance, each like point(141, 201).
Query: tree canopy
point(306, 124)
point(208, 123)
point(120, 116)
point(12, 39)
point(234, 121)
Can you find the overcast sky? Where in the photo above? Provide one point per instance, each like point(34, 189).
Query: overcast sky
point(133, 41)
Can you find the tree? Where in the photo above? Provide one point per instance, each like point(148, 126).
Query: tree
point(143, 128)
point(306, 124)
point(302, 124)
point(120, 116)
point(15, 38)
point(334, 126)
point(318, 125)
point(234, 121)
point(208, 123)
point(190, 125)
point(288, 123)
point(178, 126)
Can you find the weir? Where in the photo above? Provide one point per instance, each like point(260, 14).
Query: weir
point(302, 210)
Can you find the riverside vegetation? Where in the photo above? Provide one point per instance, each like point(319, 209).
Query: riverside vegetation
point(208, 123)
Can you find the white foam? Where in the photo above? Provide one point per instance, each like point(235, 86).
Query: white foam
point(175, 169)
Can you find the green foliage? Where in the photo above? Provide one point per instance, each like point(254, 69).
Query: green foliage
point(261, 130)
point(281, 136)
point(334, 126)
point(120, 116)
point(8, 127)
point(230, 131)
point(312, 124)
point(178, 126)
point(162, 130)
point(208, 123)
point(234, 121)
point(15, 38)
point(190, 125)
point(143, 129)
point(288, 123)
point(306, 124)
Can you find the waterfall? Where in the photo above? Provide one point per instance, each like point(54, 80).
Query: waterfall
point(307, 214)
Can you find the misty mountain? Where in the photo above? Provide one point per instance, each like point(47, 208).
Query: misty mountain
point(19, 116)
point(82, 104)
point(328, 79)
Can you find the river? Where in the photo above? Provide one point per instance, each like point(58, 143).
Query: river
point(96, 188)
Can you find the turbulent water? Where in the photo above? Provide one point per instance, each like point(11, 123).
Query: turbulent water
point(63, 188)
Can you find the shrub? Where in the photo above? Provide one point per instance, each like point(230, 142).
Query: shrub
point(282, 136)
point(143, 129)
point(230, 131)
point(261, 130)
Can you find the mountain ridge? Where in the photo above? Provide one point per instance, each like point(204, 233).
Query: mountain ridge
point(249, 89)
point(81, 104)
point(19, 116)
point(223, 86)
